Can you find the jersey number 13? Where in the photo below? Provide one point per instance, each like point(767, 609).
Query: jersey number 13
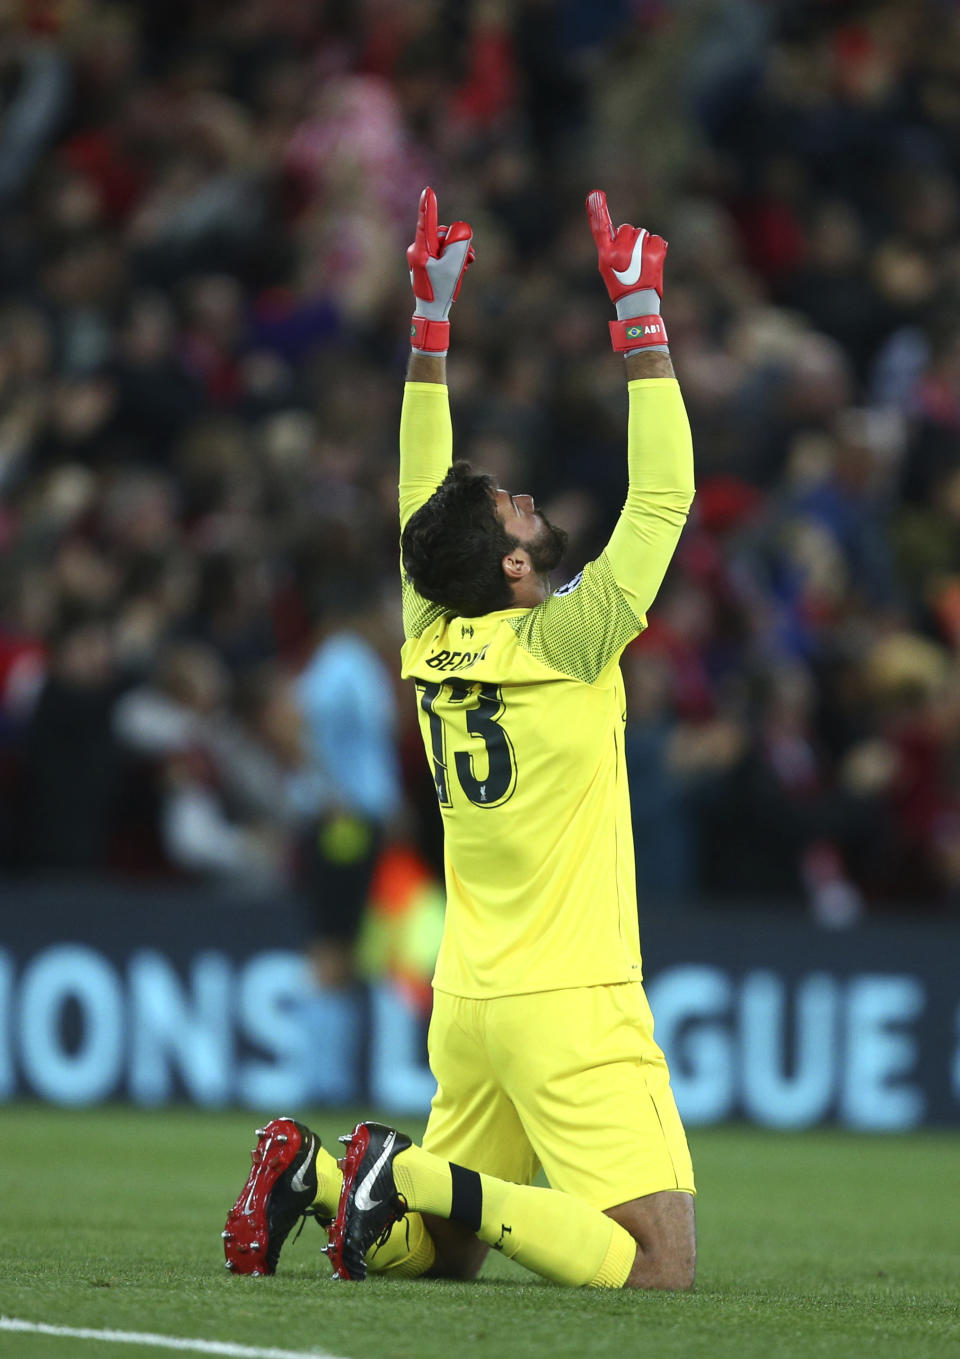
point(457, 712)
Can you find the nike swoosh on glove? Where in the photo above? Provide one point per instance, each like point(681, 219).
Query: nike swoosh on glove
point(630, 259)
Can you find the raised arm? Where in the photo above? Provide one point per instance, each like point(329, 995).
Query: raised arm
point(426, 435)
point(438, 259)
point(585, 625)
point(659, 447)
point(660, 488)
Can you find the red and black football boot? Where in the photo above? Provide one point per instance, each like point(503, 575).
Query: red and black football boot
point(369, 1202)
point(280, 1189)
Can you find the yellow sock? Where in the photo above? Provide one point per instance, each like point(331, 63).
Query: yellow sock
point(424, 1180)
point(407, 1252)
point(329, 1182)
point(554, 1234)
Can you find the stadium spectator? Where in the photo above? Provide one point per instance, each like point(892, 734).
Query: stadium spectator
point(210, 813)
point(72, 764)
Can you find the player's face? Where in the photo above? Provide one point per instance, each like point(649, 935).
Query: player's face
point(532, 529)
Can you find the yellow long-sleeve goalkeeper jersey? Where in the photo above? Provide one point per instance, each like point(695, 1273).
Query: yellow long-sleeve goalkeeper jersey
point(522, 714)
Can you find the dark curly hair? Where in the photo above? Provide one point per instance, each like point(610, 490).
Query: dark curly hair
point(453, 546)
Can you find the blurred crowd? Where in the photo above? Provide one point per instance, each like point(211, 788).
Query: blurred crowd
point(203, 330)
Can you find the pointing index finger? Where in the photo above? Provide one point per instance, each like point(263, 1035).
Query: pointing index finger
point(599, 215)
point(427, 221)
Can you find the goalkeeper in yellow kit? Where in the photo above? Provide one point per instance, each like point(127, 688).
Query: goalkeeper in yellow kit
point(541, 1039)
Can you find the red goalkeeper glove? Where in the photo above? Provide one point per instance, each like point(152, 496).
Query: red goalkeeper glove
point(631, 265)
point(438, 260)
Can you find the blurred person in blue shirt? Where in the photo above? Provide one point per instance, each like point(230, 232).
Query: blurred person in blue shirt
point(348, 704)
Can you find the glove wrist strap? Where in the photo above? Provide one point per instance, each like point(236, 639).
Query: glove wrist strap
point(641, 332)
point(430, 337)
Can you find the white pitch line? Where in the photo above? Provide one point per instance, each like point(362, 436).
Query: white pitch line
point(162, 1342)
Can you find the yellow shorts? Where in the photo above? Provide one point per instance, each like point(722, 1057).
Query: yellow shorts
point(568, 1080)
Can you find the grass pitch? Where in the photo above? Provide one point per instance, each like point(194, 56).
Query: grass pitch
point(820, 1244)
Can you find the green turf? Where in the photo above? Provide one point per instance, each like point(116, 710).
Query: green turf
point(821, 1244)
